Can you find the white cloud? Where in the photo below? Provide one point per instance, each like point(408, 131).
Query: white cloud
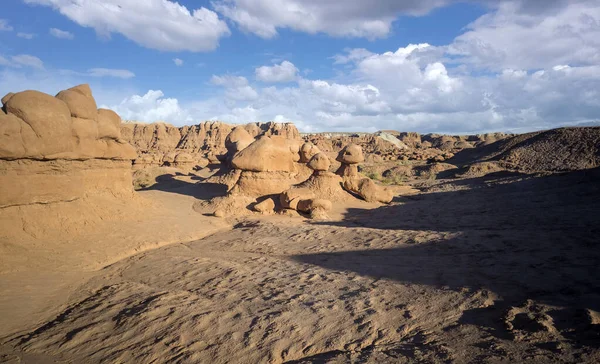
point(22, 60)
point(61, 34)
point(284, 72)
point(368, 19)
point(236, 87)
point(26, 35)
point(109, 72)
point(158, 24)
point(4, 26)
point(151, 107)
point(229, 81)
point(511, 38)
point(178, 62)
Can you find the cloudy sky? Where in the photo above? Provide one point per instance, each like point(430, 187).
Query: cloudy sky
point(326, 65)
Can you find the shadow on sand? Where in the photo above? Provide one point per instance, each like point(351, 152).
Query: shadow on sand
point(536, 239)
point(170, 183)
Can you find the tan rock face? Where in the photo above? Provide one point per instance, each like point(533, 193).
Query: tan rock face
point(348, 171)
point(46, 120)
point(290, 198)
point(351, 154)
point(237, 140)
point(24, 182)
point(109, 124)
point(208, 138)
point(258, 184)
point(81, 106)
point(57, 149)
point(265, 207)
point(7, 97)
point(266, 154)
point(307, 151)
point(319, 162)
point(38, 126)
point(369, 190)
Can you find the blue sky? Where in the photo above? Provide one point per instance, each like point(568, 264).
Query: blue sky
point(428, 66)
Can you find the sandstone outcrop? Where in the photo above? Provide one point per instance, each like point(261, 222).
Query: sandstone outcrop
point(237, 140)
point(353, 182)
point(267, 166)
point(207, 140)
point(266, 207)
point(304, 200)
point(307, 151)
point(60, 148)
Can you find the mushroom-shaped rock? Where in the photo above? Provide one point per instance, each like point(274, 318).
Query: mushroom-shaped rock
point(319, 162)
point(351, 154)
point(266, 154)
point(237, 140)
point(80, 105)
point(307, 151)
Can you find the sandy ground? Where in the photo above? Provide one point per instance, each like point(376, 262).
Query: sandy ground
point(501, 269)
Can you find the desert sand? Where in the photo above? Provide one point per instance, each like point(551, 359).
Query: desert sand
point(478, 249)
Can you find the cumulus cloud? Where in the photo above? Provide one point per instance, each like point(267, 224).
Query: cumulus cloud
point(26, 35)
point(510, 38)
point(151, 107)
point(158, 24)
point(284, 72)
point(367, 19)
point(178, 62)
point(61, 34)
point(4, 27)
point(417, 88)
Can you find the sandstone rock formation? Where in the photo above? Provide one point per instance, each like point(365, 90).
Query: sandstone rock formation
point(207, 140)
point(60, 148)
point(266, 207)
point(237, 140)
point(319, 162)
point(267, 166)
point(322, 183)
point(307, 151)
point(304, 200)
point(353, 182)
